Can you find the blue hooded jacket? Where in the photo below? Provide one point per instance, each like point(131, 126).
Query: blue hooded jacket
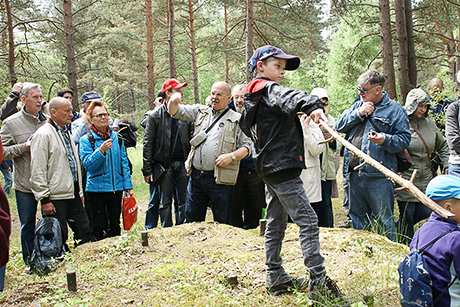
point(107, 172)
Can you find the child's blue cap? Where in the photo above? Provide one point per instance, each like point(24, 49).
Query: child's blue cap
point(443, 187)
point(265, 52)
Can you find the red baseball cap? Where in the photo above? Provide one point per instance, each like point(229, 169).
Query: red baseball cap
point(172, 83)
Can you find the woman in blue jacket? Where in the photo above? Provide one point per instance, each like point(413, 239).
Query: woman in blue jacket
point(104, 157)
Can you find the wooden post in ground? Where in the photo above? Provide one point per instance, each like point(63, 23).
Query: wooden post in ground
point(72, 280)
point(145, 238)
point(262, 226)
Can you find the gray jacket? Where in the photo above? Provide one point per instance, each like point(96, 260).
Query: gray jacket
point(15, 131)
point(420, 159)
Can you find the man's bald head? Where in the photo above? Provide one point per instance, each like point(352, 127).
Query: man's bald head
point(436, 85)
point(61, 111)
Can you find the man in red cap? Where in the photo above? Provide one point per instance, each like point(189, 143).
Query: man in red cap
point(166, 147)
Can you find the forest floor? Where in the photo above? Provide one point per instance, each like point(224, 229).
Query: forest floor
point(188, 265)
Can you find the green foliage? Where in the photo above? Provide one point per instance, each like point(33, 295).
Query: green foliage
point(354, 47)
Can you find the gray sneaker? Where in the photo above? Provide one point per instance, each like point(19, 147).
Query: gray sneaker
point(325, 292)
point(295, 284)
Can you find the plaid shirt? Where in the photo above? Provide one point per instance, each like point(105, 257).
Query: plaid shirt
point(72, 161)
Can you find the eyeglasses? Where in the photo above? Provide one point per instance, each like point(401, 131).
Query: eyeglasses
point(101, 115)
point(365, 89)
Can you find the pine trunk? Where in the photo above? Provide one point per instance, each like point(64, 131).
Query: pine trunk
point(412, 62)
point(196, 94)
point(71, 66)
point(249, 36)
point(387, 47)
point(11, 45)
point(150, 54)
point(172, 60)
point(403, 63)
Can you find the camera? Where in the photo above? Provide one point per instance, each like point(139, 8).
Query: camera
point(198, 139)
point(372, 134)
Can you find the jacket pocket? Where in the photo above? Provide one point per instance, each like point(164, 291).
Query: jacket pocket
point(384, 123)
point(95, 176)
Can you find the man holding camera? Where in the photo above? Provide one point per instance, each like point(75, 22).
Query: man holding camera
point(166, 147)
point(379, 126)
point(218, 145)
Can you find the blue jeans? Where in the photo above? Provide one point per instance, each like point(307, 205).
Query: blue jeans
point(372, 200)
point(283, 199)
point(27, 211)
point(8, 181)
point(152, 213)
point(454, 169)
point(2, 277)
point(174, 180)
point(202, 189)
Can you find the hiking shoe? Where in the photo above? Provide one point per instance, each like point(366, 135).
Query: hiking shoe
point(295, 284)
point(323, 290)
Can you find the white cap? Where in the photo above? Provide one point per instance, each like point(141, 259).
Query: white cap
point(320, 92)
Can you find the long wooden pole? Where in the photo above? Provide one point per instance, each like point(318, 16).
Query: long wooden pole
point(405, 184)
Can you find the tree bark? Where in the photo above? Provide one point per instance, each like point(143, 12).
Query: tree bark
point(403, 64)
point(406, 184)
point(411, 59)
point(226, 41)
point(150, 54)
point(71, 66)
point(196, 94)
point(387, 48)
point(249, 36)
point(172, 60)
point(11, 45)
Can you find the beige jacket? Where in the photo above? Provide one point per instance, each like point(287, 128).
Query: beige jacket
point(311, 176)
point(15, 131)
point(230, 139)
point(51, 176)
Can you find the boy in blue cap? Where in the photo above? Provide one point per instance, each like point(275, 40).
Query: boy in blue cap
point(443, 257)
point(271, 120)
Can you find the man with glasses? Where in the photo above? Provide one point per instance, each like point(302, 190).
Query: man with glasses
point(380, 127)
point(218, 145)
point(166, 142)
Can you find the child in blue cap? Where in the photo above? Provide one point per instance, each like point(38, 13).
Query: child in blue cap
point(443, 257)
point(271, 120)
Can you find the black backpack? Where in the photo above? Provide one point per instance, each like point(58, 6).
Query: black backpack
point(49, 247)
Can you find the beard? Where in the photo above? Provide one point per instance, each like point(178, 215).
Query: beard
point(239, 109)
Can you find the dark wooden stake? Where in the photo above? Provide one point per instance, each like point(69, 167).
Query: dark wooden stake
point(262, 226)
point(72, 281)
point(145, 238)
point(232, 278)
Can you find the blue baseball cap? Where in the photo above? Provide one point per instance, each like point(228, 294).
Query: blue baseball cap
point(90, 96)
point(443, 187)
point(265, 52)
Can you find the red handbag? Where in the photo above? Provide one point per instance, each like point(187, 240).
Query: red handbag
point(129, 210)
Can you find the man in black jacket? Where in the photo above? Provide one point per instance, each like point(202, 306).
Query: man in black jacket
point(167, 143)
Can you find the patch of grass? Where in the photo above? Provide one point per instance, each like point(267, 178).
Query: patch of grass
point(188, 265)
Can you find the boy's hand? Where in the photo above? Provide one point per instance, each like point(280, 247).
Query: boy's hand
point(318, 114)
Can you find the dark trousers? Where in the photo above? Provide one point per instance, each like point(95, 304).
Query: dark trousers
point(249, 196)
point(152, 213)
point(106, 208)
point(324, 212)
point(410, 213)
point(202, 189)
point(73, 207)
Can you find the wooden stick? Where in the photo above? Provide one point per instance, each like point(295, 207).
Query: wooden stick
point(406, 184)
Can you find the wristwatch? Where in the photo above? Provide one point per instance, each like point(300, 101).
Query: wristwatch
point(233, 156)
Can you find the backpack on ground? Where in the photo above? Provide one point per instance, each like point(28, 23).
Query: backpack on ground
point(49, 247)
point(415, 278)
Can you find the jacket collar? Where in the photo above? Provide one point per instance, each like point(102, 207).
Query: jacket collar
point(41, 117)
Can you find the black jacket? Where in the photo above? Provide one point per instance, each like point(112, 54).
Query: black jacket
point(157, 139)
point(10, 105)
point(270, 119)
